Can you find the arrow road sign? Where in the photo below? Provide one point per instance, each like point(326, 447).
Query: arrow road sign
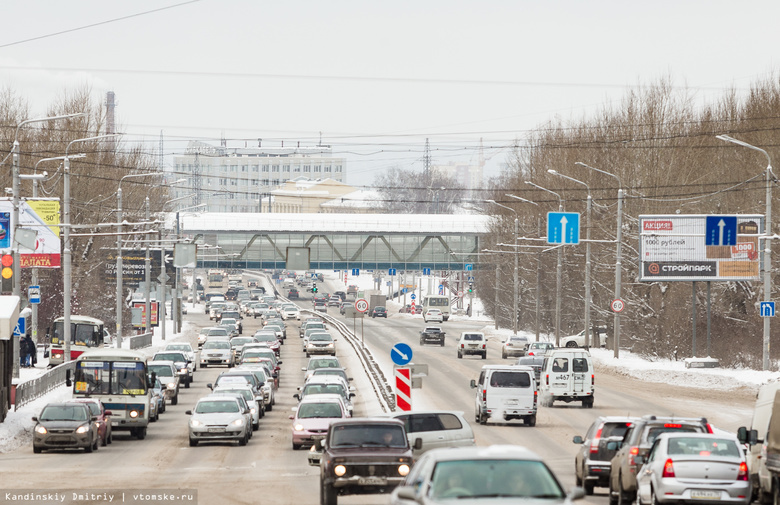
point(721, 230)
point(563, 228)
point(355, 272)
point(414, 297)
point(426, 271)
point(401, 354)
point(767, 309)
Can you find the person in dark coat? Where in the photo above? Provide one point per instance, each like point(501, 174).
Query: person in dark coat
point(27, 348)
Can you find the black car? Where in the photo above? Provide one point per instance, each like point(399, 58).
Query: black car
point(379, 312)
point(592, 464)
point(293, 293)
point(341, 294)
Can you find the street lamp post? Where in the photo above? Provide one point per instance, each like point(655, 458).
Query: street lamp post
point(515, 289)
point(618, 253)
point(587, 257)
point(767, 240)
point(67, 280)
point(558, 271)
point(538, 272)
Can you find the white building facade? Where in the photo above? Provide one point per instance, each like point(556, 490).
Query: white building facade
point(226, 179)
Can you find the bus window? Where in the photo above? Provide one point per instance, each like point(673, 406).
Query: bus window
point(129, 378)
point(92, 377)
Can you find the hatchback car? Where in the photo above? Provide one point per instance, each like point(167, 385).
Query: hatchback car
point(436, 429)
point(592, 464)
point(694, 468)
point(379, 312)
point(539, 348)
point(320, 306)
point(186, 349)
point(218, 418)
point(166, 372)
point(433, 316)
point(184, 367)
point(320, 343)
point(102, 415)
point(514, 345)
point(499, 473)
point(313, 417)
point(315, 363)
point(65, 426)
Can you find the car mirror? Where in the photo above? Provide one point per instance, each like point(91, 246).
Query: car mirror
point(418, 443)
point(473, 384)
point(303, 369)
point(108, 413)
point(297, 396)
point(753, 437)
point(742, 435)
point(210, 386)
point(188, 412)
point(35, 418)
point(577, 439)
point(406, 493)
point(576, 493)
point(352, 395)
point(279, 362)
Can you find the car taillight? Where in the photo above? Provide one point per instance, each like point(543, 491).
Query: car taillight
point(462, 346)
point(672, 425)
point(547, 379)
point(743, 471)
point(668, 469)
point(484, 395)
point(535, 399)
point(483, 346)
point(631, 453)
point(592, 380)
point(594, 444)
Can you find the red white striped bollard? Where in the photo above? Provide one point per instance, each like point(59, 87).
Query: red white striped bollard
point(403, 388)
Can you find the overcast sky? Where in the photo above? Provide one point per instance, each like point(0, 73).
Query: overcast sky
point(375, 78)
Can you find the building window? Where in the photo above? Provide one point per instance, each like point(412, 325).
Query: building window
point(274, 168)
point(244, 168)
point(327, 169)
point(307, 169)
point(265, 182)
point(234, 168)
point(286, 168)
point(265, 168)
point(296, 168)
point(255, 182)
point(338, 168)
point(256, 168)
point(317, 169)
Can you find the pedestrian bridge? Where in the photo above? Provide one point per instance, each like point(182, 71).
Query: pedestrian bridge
point(335, 241)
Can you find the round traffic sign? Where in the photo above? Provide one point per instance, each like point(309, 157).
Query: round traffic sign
point(401, 354)
point(413, 297)
point(618, 305)
point(460, 294)
point(361, 305)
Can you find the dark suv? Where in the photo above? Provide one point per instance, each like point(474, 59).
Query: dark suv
point(361, 456)
point(637, 442)
point(593, 460)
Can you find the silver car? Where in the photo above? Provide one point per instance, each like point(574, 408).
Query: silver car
point(249, 397)
point(495, 474)
point(217, 418)
point(216, 352)
point(320, 343)
point(694, 468)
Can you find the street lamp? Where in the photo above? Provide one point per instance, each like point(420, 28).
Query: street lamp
point(119, 266)
point(538, 270)
point(516, 301)
point(67, 279)
point(767, 240)
point(618, 252)
point(558, 270)
point(177, 282)
point(587, 256)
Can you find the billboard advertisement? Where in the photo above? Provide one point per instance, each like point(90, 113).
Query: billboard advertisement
point(41, 216)
point(700, 247)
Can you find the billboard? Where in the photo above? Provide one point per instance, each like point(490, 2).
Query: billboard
point(41, 216)
point(134, 266)
point(700, 247)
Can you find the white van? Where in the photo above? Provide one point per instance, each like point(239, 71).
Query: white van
point(567, 375)
point(762, 413)
point(505, 392)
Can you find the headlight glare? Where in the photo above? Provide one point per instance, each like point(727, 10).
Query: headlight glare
point(298, 427)
point(134, 414)
point(82, 429)
point(340, 470)
point(403, 470)
point(238, 422)
point(41, 429)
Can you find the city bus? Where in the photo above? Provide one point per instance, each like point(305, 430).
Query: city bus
point(440, 302)
point(119, 378)
point(215, 278)
point(85, 333)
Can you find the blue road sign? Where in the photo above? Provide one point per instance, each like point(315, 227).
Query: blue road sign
point(471, 278)
point(34, 294)
point(401, 354)
point(563, 228)
point(413, 296)
point(21, 327)
point(404, 290)
point(426, 271)
point(469, 267)
point(767, 309)
point(391, 271)
point(356, 271)
point(721, 230)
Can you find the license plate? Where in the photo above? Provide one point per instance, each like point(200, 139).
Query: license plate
point(704, 494)
point(510, 402)
point(472, 346)
point(216, 430)
point(372, 481)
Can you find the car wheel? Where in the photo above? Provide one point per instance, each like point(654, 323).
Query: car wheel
point(482, 418)
point(422, 342)
point(269, 407)
point(104, 440)
point(530, 420)
point(328, 495)
point(460, 355)
point(296, 447)
point(111, 434)
point(624, 498)
point(140, 433)
point(243, 440)
point(96, 444)
point(654, 498)
point(175, 400)
point(193, 443)
point(89, 448)
point(256, 426)
point(571, 344)
point(588, 486)
point(484, 355)
point(503, 354)
point(612, 494)
point(442, 343)
point(36, 449)
point(187, 383)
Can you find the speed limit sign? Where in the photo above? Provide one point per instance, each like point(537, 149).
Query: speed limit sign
point(361, 305)
point(618, 305)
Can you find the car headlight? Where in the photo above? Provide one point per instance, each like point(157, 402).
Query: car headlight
point(82, 429)
point(298, 427)
point(195, 423)
point(330, 345)
point(171, 385)
point(340, 470)
point(253, 410)
point(134, 414)
point(237, 422)
point(403, 470)
point(41, 430)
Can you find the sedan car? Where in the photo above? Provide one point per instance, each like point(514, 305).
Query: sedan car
point(216, 352)
point(379, 312)
point(433, 316)
point(315, 363)
point(495, 474)
point(65, 426)
point(217, 418)
point(186, 349)
point(166, 372)
point(313, 417)
point(694, 468)
point(320, 343)
point(157, 403)
point(514, 345)
point(320, 306)
point(184, 367)
point(102, 415)
point(539, 348)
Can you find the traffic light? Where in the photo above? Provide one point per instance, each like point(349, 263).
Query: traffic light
point(314, 287)
point(471, 287)
point(7, 273)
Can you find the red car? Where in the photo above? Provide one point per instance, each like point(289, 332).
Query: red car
point(97, 409)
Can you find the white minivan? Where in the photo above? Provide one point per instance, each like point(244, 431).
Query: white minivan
point(567, 375)
point(505, 392)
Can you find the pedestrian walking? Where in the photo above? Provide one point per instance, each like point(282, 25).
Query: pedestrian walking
point(27, 349)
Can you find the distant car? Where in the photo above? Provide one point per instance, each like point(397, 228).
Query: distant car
point(343, 307)
point(694, 468)
point(539, 348)
point(293, 293)
point(592, 462)
point(497, 474)
point(514, 345)
point(166, 372)
point(186, 349)
point(184, 367)
point(318, 362)
point(578, 340)
point(436, 429)
point(216, 352)
point(472, 343)
point(340, 294)
point(65, 426)
point(334, 301)
point(535, 362)
point(217, 418)
point(379, 311)
point(103, 415)
point(157, 403)
point(433, 315)
point(313, 417)
point(321, 306)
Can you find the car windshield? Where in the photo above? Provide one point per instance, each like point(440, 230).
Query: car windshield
point(247, 394)
point(490, 478)
point(216, 344)
point(703, 447)
point(331, 371)
point(472, 336)
point(161, 370)
point(242, 340)
point(265, 337)
point(217, 332)
point(63, 413)
point(323, 389)
point(368, 435)
point(313, 410)
point(324, 363)
point(94, 408)
point(653, 433)
point(216, 406)
point(179, 347)
point(172, 356)
point(320, 336)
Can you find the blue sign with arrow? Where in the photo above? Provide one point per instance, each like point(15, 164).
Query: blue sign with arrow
point(401, 354)
point(426, 271)
point(721, 230)
point(767, 309)
point(391, 271)
point(563, 228)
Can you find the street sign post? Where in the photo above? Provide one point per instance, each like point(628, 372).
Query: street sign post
point(34, 294)
point(403, 388)
point(563, 228)
point(401, 354)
